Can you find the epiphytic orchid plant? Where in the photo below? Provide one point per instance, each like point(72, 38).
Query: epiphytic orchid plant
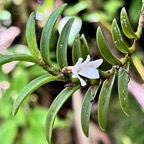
point(84, 71)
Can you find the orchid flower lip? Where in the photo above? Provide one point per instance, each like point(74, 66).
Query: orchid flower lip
point(87, 69)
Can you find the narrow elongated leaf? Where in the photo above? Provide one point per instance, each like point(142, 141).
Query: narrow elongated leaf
point(31, 87)
point(47, 33)
point(104, 50)
point(86, 108)
point(84, 47)
point(54, 39)
point(103, 101)
point(80, 48)
point(31, 37)
point(126, 27)
point(123, 79)
point(62, 44)
point(76, 49)
point(16, 57)
point(55, 107)
point(118, 39)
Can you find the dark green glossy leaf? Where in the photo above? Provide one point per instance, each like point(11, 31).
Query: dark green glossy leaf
point(86, 108)
point(76, 50)
point(47, 33)
point(84, 47)
point(55, 107)
point(80, 48)
point(31, 37)
point(16, 57)
point(123, 79)
point(103, 102)
point(126, 27)
point(62, 44)
point(54, 39)
point(118, 39)
point(104, 50)
point(31, 87)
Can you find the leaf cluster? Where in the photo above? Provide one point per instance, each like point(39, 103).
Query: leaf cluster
point(41, 56)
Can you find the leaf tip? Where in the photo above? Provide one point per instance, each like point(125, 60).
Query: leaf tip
point(14, 109)
point(123, 10)
point(99, 28)
point(102, 126)
point(114, 21)
point(125, 112)
point(14, 112)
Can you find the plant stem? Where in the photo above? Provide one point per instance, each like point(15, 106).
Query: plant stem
point(51, 70)
point(141, 19)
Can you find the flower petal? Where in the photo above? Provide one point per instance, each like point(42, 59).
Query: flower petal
point(89, 73)
point(86, 61)
point(77, 66)
point(75, 75)
point(95, 63)
point(83, 83)
point(79, 61)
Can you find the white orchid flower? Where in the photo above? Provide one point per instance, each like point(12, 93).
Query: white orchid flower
point(86, 69)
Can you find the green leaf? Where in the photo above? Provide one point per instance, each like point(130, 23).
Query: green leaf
point(31, 87)
point(55, 107)
point(84, 47)
point(104, 50)
point(126, 27)
point(31, 37)
point(80, 48)
point(47, 33)
point(86, 108)
point(103, 101)
point(76, 49)
point(62, 44)
point(54, 39)
point(16, 57)
point(118, 39)
point(123, 79)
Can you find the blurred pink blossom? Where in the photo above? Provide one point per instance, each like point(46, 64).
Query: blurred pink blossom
point(7, 68)
point(4, 85)
point(7, 36)
point(137, 91)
